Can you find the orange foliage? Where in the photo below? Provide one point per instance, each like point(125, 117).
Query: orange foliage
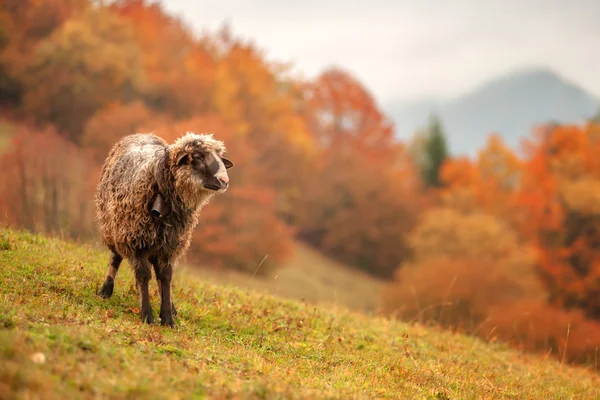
point(179, 72)
point(462, 265)
point(90, 61)
point(560, 194)
point(23, 23)
point(504, 222)
point(44, 16)
point(488, 183)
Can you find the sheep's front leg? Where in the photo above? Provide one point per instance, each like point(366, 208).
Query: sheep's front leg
point(164, 274)
point(143, 273)
point(158, 275)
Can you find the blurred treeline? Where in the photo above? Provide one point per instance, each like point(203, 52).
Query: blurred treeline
point(504, 246)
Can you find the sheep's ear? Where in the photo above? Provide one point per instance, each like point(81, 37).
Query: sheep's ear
point(227, 162)
point(182, 158)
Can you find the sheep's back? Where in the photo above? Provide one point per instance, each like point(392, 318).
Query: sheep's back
point(126, 189)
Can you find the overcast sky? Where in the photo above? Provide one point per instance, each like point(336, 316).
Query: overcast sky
point(415, 49)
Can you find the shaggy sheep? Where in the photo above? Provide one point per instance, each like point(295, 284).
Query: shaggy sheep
point(147, 204)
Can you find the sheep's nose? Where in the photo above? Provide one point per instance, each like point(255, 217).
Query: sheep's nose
point(223, 181)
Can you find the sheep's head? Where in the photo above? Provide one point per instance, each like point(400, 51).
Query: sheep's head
point(198, 159)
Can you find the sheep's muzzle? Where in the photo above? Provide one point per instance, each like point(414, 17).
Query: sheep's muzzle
point(217, 179)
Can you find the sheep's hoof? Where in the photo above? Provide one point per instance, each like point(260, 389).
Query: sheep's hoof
point(167, 320)
point(107, 289)
point(147, 317)
point(170, 323)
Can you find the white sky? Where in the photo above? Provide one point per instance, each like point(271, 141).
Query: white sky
point(414, 49)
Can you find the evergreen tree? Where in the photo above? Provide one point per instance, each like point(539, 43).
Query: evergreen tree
point(435, 152)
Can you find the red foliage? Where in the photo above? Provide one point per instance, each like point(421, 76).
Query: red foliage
point(364, 194)
point(560, 194)
point(47, 184)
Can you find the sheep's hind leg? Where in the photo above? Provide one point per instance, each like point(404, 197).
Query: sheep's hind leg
point(142, 266)
point(164, 273)
point(109, 283)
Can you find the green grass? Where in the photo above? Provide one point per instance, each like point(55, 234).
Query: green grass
point(232, 343)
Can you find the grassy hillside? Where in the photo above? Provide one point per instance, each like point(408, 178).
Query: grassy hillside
point(308, 276)
point(59, 340)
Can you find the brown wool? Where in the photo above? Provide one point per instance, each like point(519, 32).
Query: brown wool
point(138, 169)
point(135, 166)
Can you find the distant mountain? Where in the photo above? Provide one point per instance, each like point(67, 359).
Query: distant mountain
point(510, 106)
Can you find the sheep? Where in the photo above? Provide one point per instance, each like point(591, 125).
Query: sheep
point(147, 204)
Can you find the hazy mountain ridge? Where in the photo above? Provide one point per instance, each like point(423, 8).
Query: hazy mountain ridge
point(510, 105)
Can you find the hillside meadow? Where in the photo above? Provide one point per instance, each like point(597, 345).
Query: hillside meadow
point(308, 276)
point(59, 340)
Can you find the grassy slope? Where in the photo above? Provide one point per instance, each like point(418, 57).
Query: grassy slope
point(230, 341)
point(308, 276)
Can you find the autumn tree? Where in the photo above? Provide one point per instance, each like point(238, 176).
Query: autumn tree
point(560, 194)
point(364, 194)
point(488, 183)
point(463, 264)
point(179, 72)
point(47, 184)
point(23, 23)
point(89, 61)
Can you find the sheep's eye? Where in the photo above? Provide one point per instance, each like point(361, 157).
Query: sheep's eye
point(198, 162)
